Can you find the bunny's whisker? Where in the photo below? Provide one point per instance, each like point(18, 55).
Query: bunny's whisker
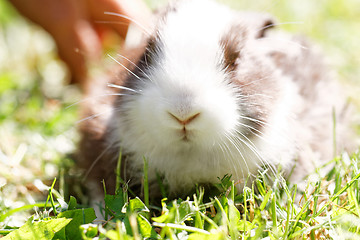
point(93, 116)
point(282, 40)
point(142, 27)
point(94, 98)
point(136, 66)
point(122, 88)
point(127, 69)
point(236, 162)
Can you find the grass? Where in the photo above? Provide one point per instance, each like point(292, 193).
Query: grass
point(326, 209)
point(37, 134)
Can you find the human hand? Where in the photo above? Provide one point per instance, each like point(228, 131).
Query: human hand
point(72, 24)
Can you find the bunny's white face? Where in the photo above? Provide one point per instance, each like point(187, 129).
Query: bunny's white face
point(186, 98)
point(189, 117)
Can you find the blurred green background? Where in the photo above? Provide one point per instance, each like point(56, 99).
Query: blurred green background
point(38, 130)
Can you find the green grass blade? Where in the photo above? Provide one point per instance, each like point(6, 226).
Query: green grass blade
point(118, 173)
point(333, 198)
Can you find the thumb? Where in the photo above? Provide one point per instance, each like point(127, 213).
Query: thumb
point(77, 48)
point(123, 14)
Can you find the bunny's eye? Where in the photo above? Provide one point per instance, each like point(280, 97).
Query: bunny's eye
point(232, 43)
point(231, 54)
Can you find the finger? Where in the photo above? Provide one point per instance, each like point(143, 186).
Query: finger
point(69, 51)
point(135, 10)
point(77, 48)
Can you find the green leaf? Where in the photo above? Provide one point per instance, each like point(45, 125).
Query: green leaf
point(89, 231)
point(234, 221)
point(234, 214)
point(115, 235)
point(61, 235)
point(213, 236)
point(44, 229)
point(184, 211)
point(136, 205)
point(145, 228)
point(114, 205)
point(72, 203)
point(160, 219)
point(248, 226)
point(225, 183)
point(79, 217)
point(266, 200)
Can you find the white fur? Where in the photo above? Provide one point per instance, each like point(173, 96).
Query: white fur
point(185, 81)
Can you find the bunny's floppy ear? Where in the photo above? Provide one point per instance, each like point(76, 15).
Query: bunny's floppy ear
point(257, 24)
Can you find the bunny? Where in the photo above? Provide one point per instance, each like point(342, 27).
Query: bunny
point(212, 92)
